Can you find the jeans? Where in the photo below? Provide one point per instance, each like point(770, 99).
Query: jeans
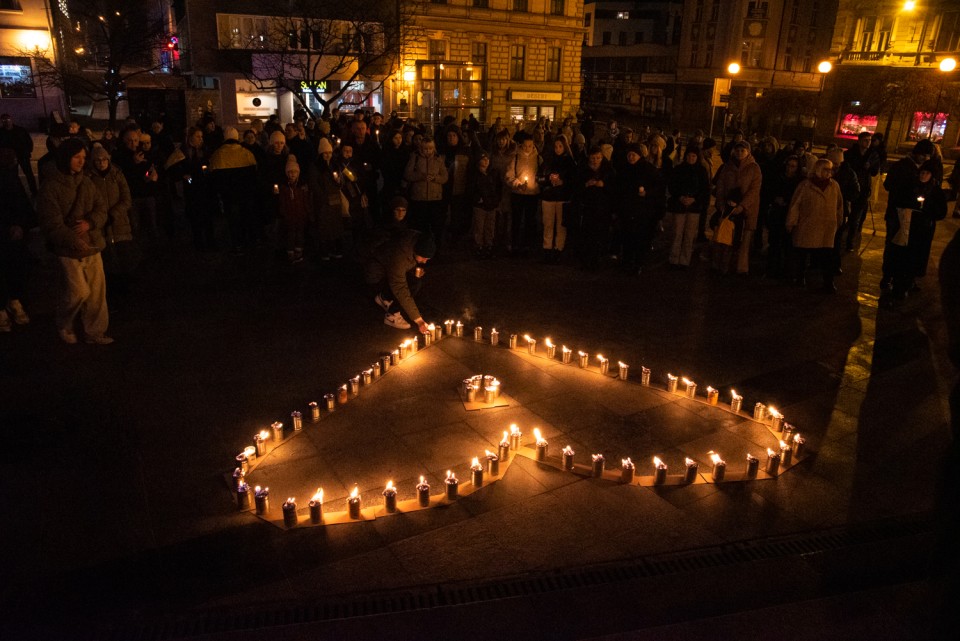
point(554, 229)
point(684, 234)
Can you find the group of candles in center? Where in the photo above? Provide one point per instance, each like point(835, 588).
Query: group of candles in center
point(489, 384)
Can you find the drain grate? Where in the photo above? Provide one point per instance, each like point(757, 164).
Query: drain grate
point(452, 595)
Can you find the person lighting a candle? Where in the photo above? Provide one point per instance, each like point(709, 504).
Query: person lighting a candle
point(395, 270)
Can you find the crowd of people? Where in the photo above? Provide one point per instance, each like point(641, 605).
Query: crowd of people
point(365, 186)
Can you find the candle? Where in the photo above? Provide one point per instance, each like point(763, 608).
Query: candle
point(290, 512)
point(604, 364)
point(297, 419)
point(798, 445)
point(494, 337)
point(355, 386)
point(566, 354)
point(736, 401)
point(243, 461)
point(515, 435)
point(513, 341)
point(786, 454)
point(449, 325)
point(719, 467)
point(568, 454)
point(329, 400)
point(243, 497)
point(773, 462)
point(353, 503)
point(541, 444)
point(390, 498)
point(367, 376)
point(459, 329)
point(582, 359)
point(671, 383)
point(478, 333)
point(598, 462)
point(471, 392)
point(314, 411)
point(776, 422)
point(531, 344)
point(385, 363)
point(504, 448)
point(551, 349)
point(428, 337)
point(261, 497)
point(394, 357)
point(493, 463)
point(713, 395)
point(691, 387)
point(453, 486)
point(404, 350)
point(260, 441)
point(423, 493)
point(645, 376)
point(277, 429)
point(316, 507)
point(250, 452)
point(414, 346)
point(753, 464)
point(759, 411)
point(659, 471)
point(623, 370)
point(437, 333)
point(375, 369)
point(495, 384)
point(476, 472)
point(342, 394)
point(627, 470)
point(788, 430)
point(692, 468)
point(238, 475)
point(489, 394)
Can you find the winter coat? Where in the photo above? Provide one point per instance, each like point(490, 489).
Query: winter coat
point(234, 172)
point(629, 203)
point(65, 200)
point(486, 190)
point(746, 179)
point(815, 215)
point(294, 204)
point(521, 174)
point(846, 177)
point(691, 181)
point(425, 177)
point(116, 195)
point(566, 168)
point(393, 261)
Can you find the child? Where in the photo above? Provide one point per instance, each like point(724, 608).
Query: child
point(294, 208)
point(486, 200)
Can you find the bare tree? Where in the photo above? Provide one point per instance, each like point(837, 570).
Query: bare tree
point(308, 44)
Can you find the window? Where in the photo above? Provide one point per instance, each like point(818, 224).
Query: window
point(16, 78)
point(926, 124)
point(875, 33)
point(437, 50)
point(478, 53)
point(698, 11)
point(517, 58)
point(520, 5)
point(750, 53)
point(587, 19)
point(623, 15)
point(481, 4)
point(788, 59)
point(244, 32)
point(622, 38)
point(708, 58)
point(638, 38)
point(948, 36)
point(715, 11)
point(557, 7)
point(553, 64)
point(757, 10)
point(10, 5)
point(606, 37)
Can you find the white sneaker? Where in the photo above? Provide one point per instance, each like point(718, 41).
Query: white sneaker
point(4, 321)
point(67, 336)
point(384, 304)
point(396, 320)
point(15, 310)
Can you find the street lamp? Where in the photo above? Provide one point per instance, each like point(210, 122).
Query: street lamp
point(823, 69)
point(946, 66)
point(733, 69)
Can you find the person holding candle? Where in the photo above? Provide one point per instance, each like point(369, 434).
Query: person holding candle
point(594, 186)
point(521, 177)
point(556, 177)
point(815, 214)
point(187, 166)
point(931, 207)
point(294, 205)
point(395, 270)
point(689, 194)
point(901, 184)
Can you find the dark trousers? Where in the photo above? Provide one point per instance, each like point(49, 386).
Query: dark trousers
point(199, 213)
point(14, 262)
point(822, 257)
point(241, 220)
point(523, 222)
point(858, 215)
point(778, 251)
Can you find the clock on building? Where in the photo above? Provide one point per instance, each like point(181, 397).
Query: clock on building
point(754, 28)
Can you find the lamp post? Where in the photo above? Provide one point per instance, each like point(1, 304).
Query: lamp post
point(733, 69)
point(823, 69)
point(946, 66)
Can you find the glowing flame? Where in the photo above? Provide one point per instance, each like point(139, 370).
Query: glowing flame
point(450, 476)
point(257, 489)
point(355, 494)
point(671, 377)
point(475, 464)
point(657, 463)
point(771, 452)
point(581, 354)
point(597, 457)
point(527, 338)
point(626, 462)
point(568, 451)
point(506, 440)
point(734, 395)
point(715, 458)
point(489, 454)
point(621, 364)
point(548, 343)
point(601, 358)
point(689, 461)
point(318, 497)
point(431, 327)
point(537, 435)
point(291, 500)
point(797, 438)
point(710, 390)
point(264, 435)
point(459, 324)
point(389, 487)
point(784, 446)
point(514, 430)
point(687, 381)
point(774, 413)
point(751, 457)
point(565, 349)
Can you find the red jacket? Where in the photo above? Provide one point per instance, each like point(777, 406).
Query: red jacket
point(294, 205)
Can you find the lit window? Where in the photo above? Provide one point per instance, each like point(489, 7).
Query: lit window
point(16, 78)
point(623, 15)
point(517, 58)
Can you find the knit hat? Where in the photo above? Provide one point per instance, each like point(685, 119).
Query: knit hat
point(924, 147)
point(636, 148)
point(399, 202)
point(425, 247)
point(742, 143)
point(231, 133)
point(607, 151)
point(99, 152)
point(835, 156)
point(278, 136)
point(291, 163)
point(324, 146)
point(579, 139)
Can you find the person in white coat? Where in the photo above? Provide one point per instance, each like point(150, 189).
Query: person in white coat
point(815, 214)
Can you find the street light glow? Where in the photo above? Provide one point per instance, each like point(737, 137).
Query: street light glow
point(824, 67)
point(909, 5)
point(948, 64)
point(733, 67)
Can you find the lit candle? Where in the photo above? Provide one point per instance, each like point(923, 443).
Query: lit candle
point(541, 444)
point(604, 364)
point(243, 497)
point(736, 401)
point(798, 444)
point(290, 512)
point(773, 462)
point(427, 337)
point(342, 394)
point(449, 325)
point(260, 441)
point(515, 435)
point(459, 329)
point(753, 464)
point(314, 411)
point(786, 453)
point(713, 395)
point(243, 461)
point(390, 498)
point(623, 370)
point(261, 497)
point(238, 475)
point(691, 387)
point(659, 471)
point(531, 344)
point(375, 368)
point(385, 363)
point(493, 463)
point(566, 354)
point(437, 333)
point(692, 468)
point(513, 341)
point(394, 357)
point(671, 383)
point(582, 358)
point(470, 390)
point(645, 376)
point(423, 493)
point(367, 376)
point(776, 423)
point(788, 430)
point(551, 349)
point(330, 401)
point(494, 337)
point(297, 419)
point(414, 345)
point(759, 411)
point(478, 333)
point(627, 470)
point(504, 446)
point(250, 452)
point(476, 472)
point(404, 350)
point(489, 394)
point(598, 462)
point(355, 386)
point(353, 503)
point(495, 384)
point(277, 429)
point(316, 507)
point(719, 467)
point(453, 486)
point(568, 454)
point(276, 189)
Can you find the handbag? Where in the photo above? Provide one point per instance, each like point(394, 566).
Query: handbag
point(725, 232)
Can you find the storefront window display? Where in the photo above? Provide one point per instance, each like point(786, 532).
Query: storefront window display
point(851, 125)
point(358, 95)
point(16, 78)
point(925, 124)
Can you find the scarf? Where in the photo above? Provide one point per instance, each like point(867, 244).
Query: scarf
point(821, 183)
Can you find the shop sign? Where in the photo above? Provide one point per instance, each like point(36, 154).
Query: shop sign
point(537, 96)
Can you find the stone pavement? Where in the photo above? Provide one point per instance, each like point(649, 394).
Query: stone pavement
point(123, 525)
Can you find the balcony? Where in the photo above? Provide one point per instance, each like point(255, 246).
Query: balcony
point(863, 56)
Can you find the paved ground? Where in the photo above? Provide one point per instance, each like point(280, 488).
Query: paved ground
point(122, 525)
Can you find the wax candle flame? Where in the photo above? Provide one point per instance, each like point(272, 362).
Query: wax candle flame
point(774, 413)
point(626, 462)
point(687, 381)
point(597, 457)
point(489, 454)
point(601, 358)
point(751, 457)
point(527, 338)
point(784, 446)
point(355, 494)
point(548, 343)
point(318, 497)
point(257, 488)
point(422, 480)
point(459, 324)
point(621, 364)
point(431, 327)
point(565, 349)
point(475, 464)
point(710, 390)
point(514, 429)
point(671, 377)
point(450, 476)
point(291, 500)
point(657, 463)
point(568, 451)
point(689, 461)
point(389, 486)
point(264, 435)
point(797, 438)
point(770, 452)
point(539, 436)
point(581, 353)
point(715, 458)
point(506, 440)
point(733, 394)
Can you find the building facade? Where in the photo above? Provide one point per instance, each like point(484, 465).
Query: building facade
point(25, 36)
point(887, 74)
point(510, 59)
point(630, 59)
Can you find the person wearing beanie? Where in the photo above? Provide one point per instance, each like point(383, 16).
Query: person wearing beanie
point(233, 171)
point(293, 206)
point(120, 257)
point(486, 194)
point(324, 146)
point(395, 271)
point(72, 215)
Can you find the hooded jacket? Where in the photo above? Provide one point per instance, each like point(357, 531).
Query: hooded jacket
point(65, 200)
point(743, 177)
point(565, 167)
point(116, 196)
point(521, 174)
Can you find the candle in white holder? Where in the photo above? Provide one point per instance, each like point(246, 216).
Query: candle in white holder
point(568, 454)
point(691, 387)
point(719, 467)
point(476, 472)
point(515, 435)
point(604, 364)
point(672, 383)
point(692, 467)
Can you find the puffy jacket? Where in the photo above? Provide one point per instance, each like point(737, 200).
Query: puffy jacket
point(425, 177)
point(815, 215)
point(64, 200)
point(521, 174)
point(116, 195)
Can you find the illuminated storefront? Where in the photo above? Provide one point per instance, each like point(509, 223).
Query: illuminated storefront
point(444, 89)
point(367, 96)
point(852, 125)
